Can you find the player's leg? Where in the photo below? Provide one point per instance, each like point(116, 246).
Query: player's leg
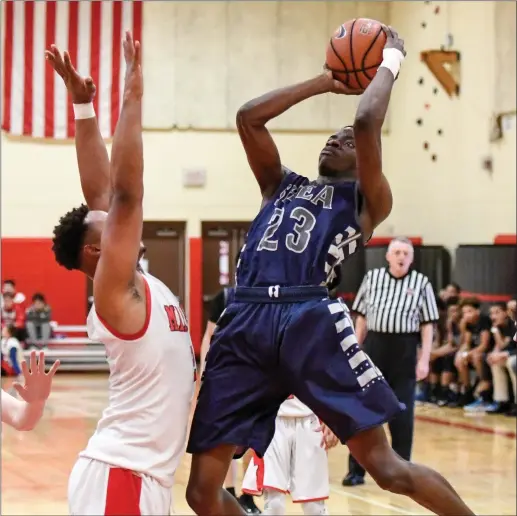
point(231, 478)
point(274, 503)
point(237, 405)
point(392, 473)
point(310, 480)
point(336, 379)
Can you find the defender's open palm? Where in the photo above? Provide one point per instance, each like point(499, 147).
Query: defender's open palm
point(81, 89)
point(37, 383)
point(132, 55)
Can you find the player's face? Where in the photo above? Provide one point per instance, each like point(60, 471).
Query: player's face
point(497, 315)
point(400, 257)
point(337, 159)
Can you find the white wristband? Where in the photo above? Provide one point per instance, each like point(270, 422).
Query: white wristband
point(392, 60)
point(84, 111)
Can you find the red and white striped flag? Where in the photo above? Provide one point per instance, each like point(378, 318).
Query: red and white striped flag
point(35, 101)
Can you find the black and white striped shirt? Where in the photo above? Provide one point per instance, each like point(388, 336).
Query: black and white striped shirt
point(396, 305)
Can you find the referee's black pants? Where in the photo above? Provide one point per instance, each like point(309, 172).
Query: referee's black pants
point(395, 355)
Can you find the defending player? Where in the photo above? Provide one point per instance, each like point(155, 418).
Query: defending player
point(283, 335)
point(24, 414)
point(129, 463)
point(295, 462)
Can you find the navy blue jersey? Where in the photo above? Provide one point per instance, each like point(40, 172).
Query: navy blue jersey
point(302, 234)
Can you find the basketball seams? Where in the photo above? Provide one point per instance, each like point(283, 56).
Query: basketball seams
point(345, 69)
point(363, 67)
point(351, 49)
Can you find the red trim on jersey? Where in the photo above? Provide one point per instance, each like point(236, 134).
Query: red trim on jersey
point(312, 500)
point(139, 334)
point(275, 489)
point(123, 493)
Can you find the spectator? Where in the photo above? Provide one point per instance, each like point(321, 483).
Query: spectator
point(9, 286)
point(503, 359)
point(13, 314)
point(443, 371)
point(474, 347)
point(12, 355)
point(511, 309)
point(37, 322)
point(451, 290)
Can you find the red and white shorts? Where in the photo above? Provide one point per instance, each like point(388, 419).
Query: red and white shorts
point(96, 488)
point(294, 462)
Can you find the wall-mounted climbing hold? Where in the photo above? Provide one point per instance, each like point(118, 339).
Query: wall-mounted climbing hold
point(421, 81)
point(426, 145)
point(427, 106)
point(435, 91)
point(419, 121)
point(437, 10)
point(434, 157)
point(440, 132)
point(423, 24)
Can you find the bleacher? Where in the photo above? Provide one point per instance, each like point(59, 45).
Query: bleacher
point(75, 350)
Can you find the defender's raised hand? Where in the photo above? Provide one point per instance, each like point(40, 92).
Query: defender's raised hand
point(81, 89)
point(134, 80)
point(37, 383)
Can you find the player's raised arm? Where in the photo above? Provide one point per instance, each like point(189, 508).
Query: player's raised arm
point(92, 155)
point(258, 143)
point(369, 118)
point(119, 291)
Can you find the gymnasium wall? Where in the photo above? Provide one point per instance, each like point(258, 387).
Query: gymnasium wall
point(202, 59)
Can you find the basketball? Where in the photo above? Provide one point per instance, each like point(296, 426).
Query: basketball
point(354, 52)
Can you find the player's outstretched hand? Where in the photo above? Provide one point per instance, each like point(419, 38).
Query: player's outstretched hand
point(81, 89)
point(328, 439)
point(393, 40)
point(336, 86)
point(132, 55)
point(37, 383)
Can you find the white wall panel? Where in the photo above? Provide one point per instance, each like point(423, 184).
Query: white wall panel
point(251, 60)
point(200, 58)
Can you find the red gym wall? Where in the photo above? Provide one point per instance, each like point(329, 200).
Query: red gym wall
point(30, 262)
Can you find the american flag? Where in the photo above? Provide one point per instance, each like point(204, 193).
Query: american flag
point(35, 101)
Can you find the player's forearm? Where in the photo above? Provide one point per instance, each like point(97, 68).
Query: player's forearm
point(20, 414)
point(270, 105)
point(426, 336)
point(93, 162)
point(374, 102)
point(127, 162)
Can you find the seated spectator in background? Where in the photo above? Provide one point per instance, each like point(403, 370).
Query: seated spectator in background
point(511, 309)
point(451, 290)
point(9, 287)
point(37, 322)
point(503, 359)
point(12, 354)
point(472, 354)
point(443, 371)
point(13, 315)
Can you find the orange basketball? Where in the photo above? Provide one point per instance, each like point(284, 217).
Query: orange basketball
point(354, 52)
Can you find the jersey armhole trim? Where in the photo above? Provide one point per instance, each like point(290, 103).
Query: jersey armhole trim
point(139, 334)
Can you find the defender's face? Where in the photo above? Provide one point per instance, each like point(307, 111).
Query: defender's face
point(400, 257)
point(338, 155)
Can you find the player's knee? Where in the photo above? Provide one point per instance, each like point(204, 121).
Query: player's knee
point(314, 508)
point(274, 502)
point(201, 499)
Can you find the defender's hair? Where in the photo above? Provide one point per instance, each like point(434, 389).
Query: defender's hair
point(69, 237)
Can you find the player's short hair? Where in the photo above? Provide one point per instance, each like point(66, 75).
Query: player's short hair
point(473, 302)
point(69, 237)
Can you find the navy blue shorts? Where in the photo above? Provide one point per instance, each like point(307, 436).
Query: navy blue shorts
point(270, 344)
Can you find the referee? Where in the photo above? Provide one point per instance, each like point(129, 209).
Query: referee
point(396, 309)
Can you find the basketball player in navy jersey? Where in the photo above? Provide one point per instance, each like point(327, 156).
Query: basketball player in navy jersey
point(282, 334)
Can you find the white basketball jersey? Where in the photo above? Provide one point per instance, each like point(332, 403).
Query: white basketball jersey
point(151, 386)
point(293, 407)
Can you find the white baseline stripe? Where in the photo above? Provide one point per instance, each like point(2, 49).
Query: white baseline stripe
point(381, 505)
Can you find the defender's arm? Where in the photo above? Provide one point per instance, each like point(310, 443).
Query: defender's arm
point(92, 155)
point(258, 143)
point(370, 116)
point(116, 284)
